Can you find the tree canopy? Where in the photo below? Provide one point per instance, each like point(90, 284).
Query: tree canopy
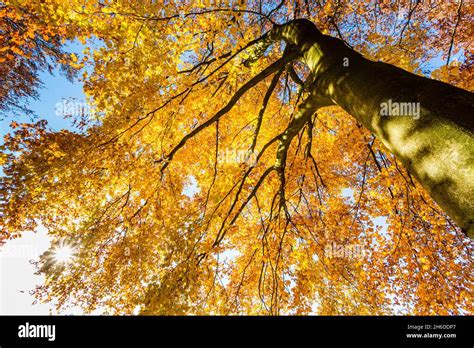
point(192, 186)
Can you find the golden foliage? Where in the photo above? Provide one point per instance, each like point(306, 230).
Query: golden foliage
point(191, 233)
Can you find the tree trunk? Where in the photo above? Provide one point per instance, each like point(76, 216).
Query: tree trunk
point(436, 144)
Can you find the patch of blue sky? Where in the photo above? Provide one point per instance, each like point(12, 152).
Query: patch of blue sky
point(17, 273)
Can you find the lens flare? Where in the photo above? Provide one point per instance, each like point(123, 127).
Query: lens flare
point(63, 254)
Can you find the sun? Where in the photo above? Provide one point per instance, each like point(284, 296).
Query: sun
point(64, 253)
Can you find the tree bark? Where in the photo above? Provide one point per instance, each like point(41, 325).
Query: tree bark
point(436, 145)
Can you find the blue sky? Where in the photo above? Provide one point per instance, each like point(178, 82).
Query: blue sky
point(17, 276)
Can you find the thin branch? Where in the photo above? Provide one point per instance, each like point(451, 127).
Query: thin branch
point(454, 32)
point(251, 83)
point(266, 98)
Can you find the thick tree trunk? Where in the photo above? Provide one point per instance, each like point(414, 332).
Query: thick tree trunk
point(436, 145)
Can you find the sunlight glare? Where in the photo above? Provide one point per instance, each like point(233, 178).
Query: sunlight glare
point(63, 254)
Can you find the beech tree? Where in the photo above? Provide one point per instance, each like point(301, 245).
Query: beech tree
point(28, 45)
point(254, 157)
